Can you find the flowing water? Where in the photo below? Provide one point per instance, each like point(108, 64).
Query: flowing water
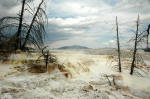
point(90, 75)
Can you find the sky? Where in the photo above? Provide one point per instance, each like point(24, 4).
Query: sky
point(88, 23)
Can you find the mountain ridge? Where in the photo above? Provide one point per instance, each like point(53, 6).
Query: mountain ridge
point(73, 47)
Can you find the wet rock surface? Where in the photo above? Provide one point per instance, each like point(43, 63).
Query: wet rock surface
point(89, 77)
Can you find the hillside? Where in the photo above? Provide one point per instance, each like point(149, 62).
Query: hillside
point(73, 47)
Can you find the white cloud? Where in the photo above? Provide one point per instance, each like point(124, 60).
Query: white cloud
point(92, 22)
point(80, 8)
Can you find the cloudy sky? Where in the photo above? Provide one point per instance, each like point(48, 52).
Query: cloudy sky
point(88, 23)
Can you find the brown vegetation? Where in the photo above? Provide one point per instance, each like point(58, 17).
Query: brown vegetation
point(37, 69)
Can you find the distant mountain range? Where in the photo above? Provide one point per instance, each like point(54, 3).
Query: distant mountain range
point(73, 47)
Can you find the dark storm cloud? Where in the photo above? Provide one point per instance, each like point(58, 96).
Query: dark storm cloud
point(56, 33)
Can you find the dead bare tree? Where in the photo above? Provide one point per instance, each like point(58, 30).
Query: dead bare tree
point(135, 47)
point(118, 44)
point(23, 34)
point(37, 15)
point(18, 39)
point(47, 56)
point(144, 37)
point(7, 28)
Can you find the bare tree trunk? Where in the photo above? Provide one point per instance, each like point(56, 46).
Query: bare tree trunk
point(148, 35)
point(34, 17)
point(135, 48)
point(18, 38)
point(46, 60)
point(118, 43)
point(147, 43)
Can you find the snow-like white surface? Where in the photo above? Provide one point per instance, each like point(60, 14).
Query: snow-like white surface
point(25, 85)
